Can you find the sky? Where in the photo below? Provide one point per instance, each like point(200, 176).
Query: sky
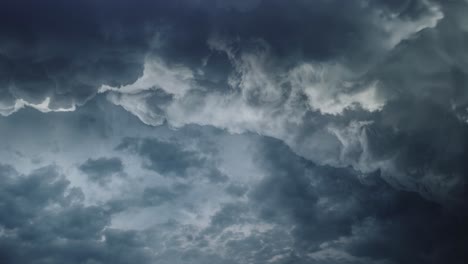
point(233, 131)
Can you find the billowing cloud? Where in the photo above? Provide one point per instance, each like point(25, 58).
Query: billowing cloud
point(280, 95)
point(248, 131)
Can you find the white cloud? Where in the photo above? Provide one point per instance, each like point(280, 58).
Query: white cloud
point(330, 88)
point(176, 80)
point(44, 107)
point(397, 28)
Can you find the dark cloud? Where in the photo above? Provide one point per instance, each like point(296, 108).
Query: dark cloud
point(26, 196)
point(157, 195)
point(299, 212)
point(286, 132)
point(236, 190)
point(426, 143)
point(101, 170)
point(368, 219)
point(43, 220)
point(163, 157)
point(63, 51)
point(172, 159)
point(66, 51)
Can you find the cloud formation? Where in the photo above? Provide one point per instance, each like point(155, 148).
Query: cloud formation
point(99, 170)
point(248, 131)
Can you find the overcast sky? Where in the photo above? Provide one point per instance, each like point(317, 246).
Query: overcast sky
point(233, 131)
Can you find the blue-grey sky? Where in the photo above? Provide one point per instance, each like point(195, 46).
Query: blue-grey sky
point(233, 131)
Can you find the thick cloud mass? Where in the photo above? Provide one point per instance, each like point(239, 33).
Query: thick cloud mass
point(223, 131)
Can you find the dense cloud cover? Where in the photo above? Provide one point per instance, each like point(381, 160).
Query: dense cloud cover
point(248, 131)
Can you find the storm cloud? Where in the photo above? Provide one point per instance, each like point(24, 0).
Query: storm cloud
point(100, 169)
point(253, 131)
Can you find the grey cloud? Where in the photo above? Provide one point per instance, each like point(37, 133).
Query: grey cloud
point(172, 159)
point(101, 170)
point(48, 52)
point(236, 190)
point(228, 215)
point(163, 157)
point(400, 81)
point(277, 72)
point(331, 208)
point(43, 220)
point(157, 195)
point(430, 153)
point(300, 212)
point(38, 190)
point(359, 109)
point(441, 51)
point(306, 100)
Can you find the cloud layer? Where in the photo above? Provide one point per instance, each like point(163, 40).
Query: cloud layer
point(246, 131)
